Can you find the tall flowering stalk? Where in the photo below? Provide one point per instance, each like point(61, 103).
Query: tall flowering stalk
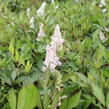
point(41, 10)
point(52, 60)
point(31, 18)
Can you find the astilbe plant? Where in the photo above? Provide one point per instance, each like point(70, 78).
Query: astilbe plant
point(69, 68)
point(52, 59)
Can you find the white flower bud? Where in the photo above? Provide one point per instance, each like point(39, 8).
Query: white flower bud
point(52, 1)
point(41, 32)
point(41, 11)
point(28, 12)
point(104, 10)
point(102, 3)
point(101, 35)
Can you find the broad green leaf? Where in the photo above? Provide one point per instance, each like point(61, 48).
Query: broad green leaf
point(74, 100)
point(64, 104)
point(17, 56)
point(98, 57)
point(98, 93)
point(12, 99)
point(28, 66)
point(22, 61)
point(28, 97)
point(107, 100)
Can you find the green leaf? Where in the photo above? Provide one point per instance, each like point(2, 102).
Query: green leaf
point(67, 76)
point(6, 76)
point(84, 104)
point(13, 75)
point(64, 104)
point(28, 98)
point(22, 61)
point(83, 78)
point(107, 100)
point(11, 47)
point(105, 71)
point(74, 100)
point(17, 56)
point(28, 66)
point(95, 35)
point(12, 99)
point(98, 93)
point(106, 56)
point(98, 58)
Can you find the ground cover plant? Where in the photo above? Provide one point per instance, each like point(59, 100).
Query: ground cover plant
point(54, 54)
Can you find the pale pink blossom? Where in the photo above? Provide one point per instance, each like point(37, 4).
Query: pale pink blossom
point(41, 10)
point(52, 60)
point(57, 37)
point(41, 32)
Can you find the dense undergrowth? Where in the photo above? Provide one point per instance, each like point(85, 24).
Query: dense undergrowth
point(82, 79)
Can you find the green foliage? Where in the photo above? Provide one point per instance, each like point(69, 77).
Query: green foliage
point(98, 93)
point(74, 100)
point(82, 78)
point(28, 98)
point(12, 99)
point(107, 100)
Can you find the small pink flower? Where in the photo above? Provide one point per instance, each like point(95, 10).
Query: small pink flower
point(41, 32)
point(52, 60)
point(41, 11)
